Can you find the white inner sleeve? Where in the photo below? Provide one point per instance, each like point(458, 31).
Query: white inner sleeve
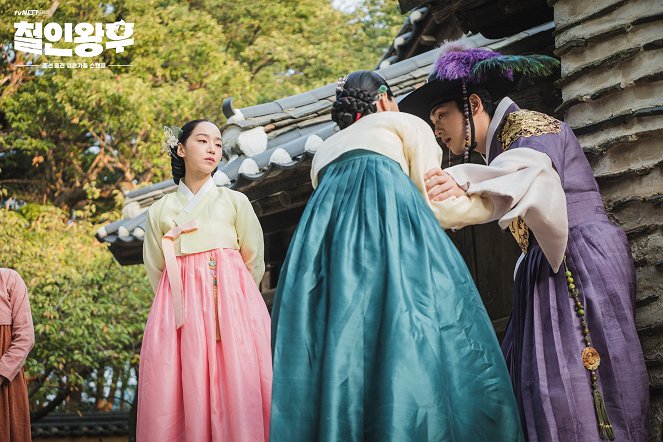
point(522, 183)
point(515, 269)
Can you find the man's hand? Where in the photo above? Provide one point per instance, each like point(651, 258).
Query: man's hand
point(440, 185)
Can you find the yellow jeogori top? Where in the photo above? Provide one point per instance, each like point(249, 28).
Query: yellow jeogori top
point(225, 220)
point(410, 142)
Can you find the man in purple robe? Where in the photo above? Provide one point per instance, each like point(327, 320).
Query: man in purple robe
point(571, 344)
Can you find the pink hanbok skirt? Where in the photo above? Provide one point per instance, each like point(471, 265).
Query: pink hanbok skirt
point(193, 387)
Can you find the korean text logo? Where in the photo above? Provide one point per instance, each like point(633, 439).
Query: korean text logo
point(29, 38)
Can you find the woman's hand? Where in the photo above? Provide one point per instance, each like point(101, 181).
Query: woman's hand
point(440, 185)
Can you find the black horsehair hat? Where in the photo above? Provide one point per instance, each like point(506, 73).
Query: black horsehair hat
point(459, 64)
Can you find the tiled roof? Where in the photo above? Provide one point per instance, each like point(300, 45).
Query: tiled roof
point(67, 425)
point(266, 139)
point(408, 34)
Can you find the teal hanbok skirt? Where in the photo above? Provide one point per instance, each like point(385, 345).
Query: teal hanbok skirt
point(378, 331)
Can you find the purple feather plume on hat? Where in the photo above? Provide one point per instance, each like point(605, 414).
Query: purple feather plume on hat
point(456, 60)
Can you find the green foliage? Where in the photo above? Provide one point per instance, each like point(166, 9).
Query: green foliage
point(69, 128)
point(380, 22)
point(88, 311)
point(73, 140)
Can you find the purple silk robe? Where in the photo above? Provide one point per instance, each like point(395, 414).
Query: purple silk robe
point(543, 341)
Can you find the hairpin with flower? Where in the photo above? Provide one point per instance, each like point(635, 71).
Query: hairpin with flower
point(170, 139)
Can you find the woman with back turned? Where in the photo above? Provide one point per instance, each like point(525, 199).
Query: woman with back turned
point(378, 332)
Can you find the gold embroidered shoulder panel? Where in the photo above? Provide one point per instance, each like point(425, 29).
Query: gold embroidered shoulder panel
point(520, 233)
point(527, 123)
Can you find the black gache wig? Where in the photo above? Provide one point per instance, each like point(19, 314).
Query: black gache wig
point(356, 95)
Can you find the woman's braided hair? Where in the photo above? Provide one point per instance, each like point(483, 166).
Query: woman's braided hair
point(355, 97)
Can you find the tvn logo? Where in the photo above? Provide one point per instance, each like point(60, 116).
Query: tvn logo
point(31, 12)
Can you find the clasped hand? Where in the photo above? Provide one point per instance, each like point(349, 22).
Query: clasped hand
point(440, 185)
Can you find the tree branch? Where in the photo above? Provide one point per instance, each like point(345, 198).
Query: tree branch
point(52, 405)
point(261, 66)
point(38, 384)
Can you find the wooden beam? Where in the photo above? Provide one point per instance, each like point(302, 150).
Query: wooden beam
point(282, 201)
point(443, 10)
point(276, 222)
point(286, 179)
point(405, 6)
point(431, 33)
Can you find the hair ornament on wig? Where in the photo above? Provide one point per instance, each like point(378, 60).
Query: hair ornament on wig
point(381, 91)
point(171, 139)
point(341, 83)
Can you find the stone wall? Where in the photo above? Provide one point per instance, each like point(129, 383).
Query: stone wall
point(612, 90)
